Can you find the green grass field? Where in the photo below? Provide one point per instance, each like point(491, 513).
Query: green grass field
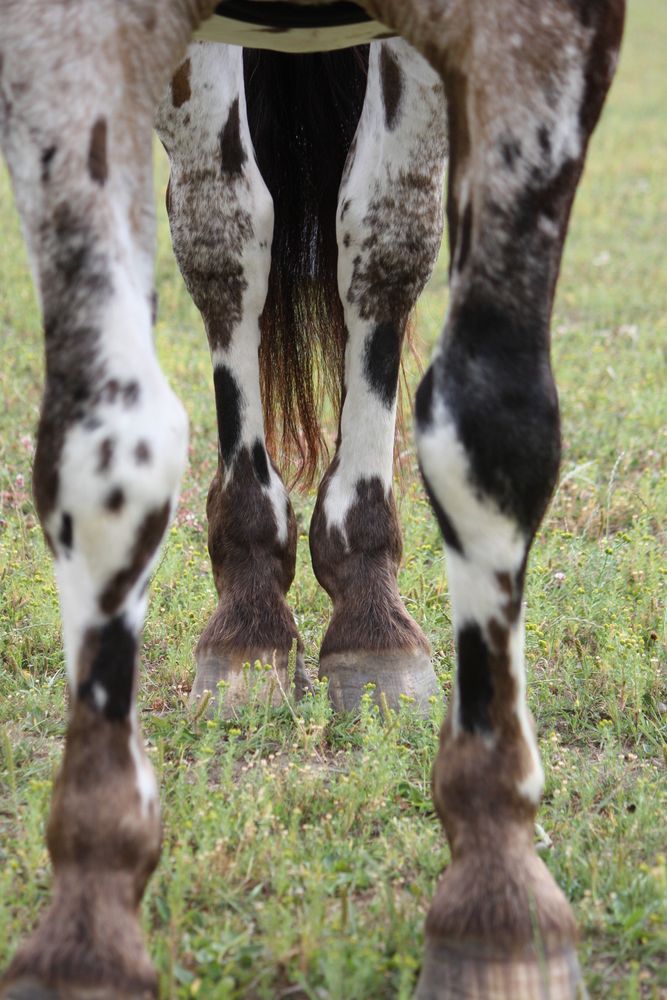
point(301, 850)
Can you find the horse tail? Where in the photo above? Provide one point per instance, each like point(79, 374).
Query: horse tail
point(303, 111)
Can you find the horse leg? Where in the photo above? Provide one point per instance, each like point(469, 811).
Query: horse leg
point(522, 103)
point(221, 218)
point(77, 96)
point(389, 226)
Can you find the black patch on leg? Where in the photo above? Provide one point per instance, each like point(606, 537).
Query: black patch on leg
point(142, 453)
point(228, 407)
point(105, 455)
point(66, 536)
point(584, 11)
point(232, 153)
point(97, 152)
point(424, 400)
point(474, 679)
point(512, 591)
point(131, 393)
point(115, 501)
point(111, 669)
point(511, 152)
point(605, 21)
point(381, 362)
point(500, 393)
point(391, 79)
point(47, 157)
point(109, 391)
point(77, 276)
point(544, 140)
point(260, 463)
point(549, 199)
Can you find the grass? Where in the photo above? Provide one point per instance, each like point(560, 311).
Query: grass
point(301, 850)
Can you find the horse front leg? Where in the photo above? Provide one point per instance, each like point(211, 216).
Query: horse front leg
point(522, 103)
point(221, 218)
point(389, 226)
point(78, 95)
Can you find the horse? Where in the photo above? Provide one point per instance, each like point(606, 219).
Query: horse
point(305, 205)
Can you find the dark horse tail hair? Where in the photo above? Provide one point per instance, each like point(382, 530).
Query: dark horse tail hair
point(303, 111)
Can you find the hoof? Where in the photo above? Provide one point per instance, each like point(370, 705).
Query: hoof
point(394, 673)
point(27, 988)
point(88, 945)
point(243, 683)
point(466, 972)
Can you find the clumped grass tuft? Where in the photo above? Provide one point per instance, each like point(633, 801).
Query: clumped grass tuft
point(301, 849)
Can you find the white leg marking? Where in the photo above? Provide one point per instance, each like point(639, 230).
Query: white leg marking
point(492, 544)
point(489, 538)
point(278, 496)
point(382, 156)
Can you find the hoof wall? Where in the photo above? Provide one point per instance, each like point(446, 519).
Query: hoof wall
point(244, 684)
point(473, 973)
point(394, 673)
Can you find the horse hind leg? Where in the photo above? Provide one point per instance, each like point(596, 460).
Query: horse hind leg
point(389, 227)
point(75, 122)
point(221, 218)
point(522, 103)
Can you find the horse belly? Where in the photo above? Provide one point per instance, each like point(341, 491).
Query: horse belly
point(290, 27)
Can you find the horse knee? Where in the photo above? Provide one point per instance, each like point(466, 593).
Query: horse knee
point(488, 429)
point(106, 473)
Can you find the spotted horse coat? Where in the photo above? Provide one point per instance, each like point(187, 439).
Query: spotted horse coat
point(386, 221)
point(520, 87)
